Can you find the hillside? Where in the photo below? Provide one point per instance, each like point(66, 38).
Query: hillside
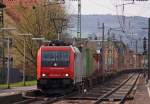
point(133, 27)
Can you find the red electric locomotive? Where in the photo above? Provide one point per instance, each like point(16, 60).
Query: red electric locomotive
point(55, 68)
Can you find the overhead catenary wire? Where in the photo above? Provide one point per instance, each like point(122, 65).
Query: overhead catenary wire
point(123, 11)
point(122, 20)
point(144, 6)
point(123, 23)
point(101, 5)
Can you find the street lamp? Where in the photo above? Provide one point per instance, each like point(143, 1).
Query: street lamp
point(2, 6)
point(24, 65)
point(46, 42)
point(8, 60)
point(39, 39)
point(7, 28)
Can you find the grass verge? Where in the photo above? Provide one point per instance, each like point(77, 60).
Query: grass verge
point(18, 84)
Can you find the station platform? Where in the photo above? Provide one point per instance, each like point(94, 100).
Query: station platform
point(142, 95)
point(16, 90)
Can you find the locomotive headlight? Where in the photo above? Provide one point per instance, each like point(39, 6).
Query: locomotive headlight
point(43, 75)
point(66, 75)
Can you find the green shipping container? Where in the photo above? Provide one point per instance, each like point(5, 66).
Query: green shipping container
point(87, 57)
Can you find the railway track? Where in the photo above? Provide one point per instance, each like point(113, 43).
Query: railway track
point(39, 100)
point(116, 90)
point(121, 92)
point(42, 99)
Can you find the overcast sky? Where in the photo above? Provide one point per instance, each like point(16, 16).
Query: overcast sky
point(109, 7)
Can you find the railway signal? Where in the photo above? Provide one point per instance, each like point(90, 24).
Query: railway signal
point(145, 45)
point(148, 50)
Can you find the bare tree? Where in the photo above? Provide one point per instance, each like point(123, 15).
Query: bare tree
point(40, 21)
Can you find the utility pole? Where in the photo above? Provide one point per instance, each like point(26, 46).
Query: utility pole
point(24, 57)
point(103, 37)
point(148, 53)
point(8, 59)
point(2, 6)
point(145, 50)
point(108, 37)
point(136, 51)
point(79, 26)
point(149, 50)
point(8, 63)
point(79, 21)
point(136, 45)
point(120, 38)
point(123, 11)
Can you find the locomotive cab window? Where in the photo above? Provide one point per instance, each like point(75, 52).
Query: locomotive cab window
point(55, 58)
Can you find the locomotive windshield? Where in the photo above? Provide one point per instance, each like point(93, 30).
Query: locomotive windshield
point(55, 58)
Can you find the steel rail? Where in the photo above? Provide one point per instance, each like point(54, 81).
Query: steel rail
point(27, 101)
point(130, 90)
point(42, 99)
point(53, 100)
point(89, 97)
point(29, 98)
point(100, 99)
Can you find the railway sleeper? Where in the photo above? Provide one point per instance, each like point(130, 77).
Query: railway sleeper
point(117, 99)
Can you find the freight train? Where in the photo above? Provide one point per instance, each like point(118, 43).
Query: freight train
point(62, 67)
